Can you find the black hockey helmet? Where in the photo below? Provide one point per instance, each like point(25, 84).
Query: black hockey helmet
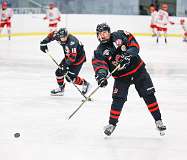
point(61, 33)
point(102, 27)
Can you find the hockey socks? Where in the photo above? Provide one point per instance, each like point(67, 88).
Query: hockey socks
point(153, 107)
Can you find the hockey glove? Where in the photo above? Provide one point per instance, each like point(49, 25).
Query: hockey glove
point(101, 79)
point(63, 71)
point(43, 47)
point(64, 66)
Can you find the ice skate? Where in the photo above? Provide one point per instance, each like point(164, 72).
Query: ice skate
point(58, 91)
point(85, 87)
point(157, 39)
point(184, 40)
point(109, 129)
point(161, 127)
point(165, 40)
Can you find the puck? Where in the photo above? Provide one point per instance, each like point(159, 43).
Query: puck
point(16, 135)
point(89, 99)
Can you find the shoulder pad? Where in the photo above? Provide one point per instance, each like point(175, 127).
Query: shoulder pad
point(124, 32)
point(120, 31)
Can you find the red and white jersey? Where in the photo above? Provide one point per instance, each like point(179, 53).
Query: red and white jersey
point(162, 18)
point(184, 26)
point(154, 17)
point(53, 15)
point(6, 14)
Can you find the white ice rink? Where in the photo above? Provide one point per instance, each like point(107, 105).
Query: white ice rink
point(27, 75)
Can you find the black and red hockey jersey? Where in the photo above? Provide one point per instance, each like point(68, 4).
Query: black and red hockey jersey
point(73, 49)
point(106, 56)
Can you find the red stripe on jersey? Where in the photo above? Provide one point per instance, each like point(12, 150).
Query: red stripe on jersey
point(81, 61)
point(100, 67)
point(98, 61)
point(130, 38)
point(71, 59)
point(133, 44)
point(73, 54)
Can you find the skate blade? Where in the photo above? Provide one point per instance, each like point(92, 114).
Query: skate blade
point(56, 95)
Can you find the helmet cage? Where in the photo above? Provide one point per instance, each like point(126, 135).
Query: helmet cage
point(61, 33)
point(100, 28)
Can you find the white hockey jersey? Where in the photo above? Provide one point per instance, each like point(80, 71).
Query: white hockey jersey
point(52, 15)
point(184, 26)
point(162, 18)
point(154, 17)
point(6, 14)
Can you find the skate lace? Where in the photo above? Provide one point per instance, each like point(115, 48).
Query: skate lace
point(109, 127)
point(58, 90)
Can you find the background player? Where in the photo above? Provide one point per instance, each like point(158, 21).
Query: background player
point(163, 21)
point(184, 27)
point(153, 26)
point(5, 18)
point(72, 62)
point(122, 48)
point(53, 16)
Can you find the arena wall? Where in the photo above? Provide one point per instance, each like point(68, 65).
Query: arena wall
point(30, 25)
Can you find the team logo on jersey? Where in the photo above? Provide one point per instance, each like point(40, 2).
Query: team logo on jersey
point(118, 58)
point(118, 42)
point(106, 52)
point(72, 43)
point(115, 91)
point(74, 50)
point(123, 48)
point(126, 33)
point(115, 63)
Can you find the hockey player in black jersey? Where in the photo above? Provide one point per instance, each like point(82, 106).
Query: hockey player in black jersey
point(116, 48)
point(72, 62)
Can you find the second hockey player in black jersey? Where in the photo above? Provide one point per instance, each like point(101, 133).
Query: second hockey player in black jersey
point(120, 48)
point(71, 65)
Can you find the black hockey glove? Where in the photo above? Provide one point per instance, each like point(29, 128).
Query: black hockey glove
point(64, 66)
point(43, 47)
point(63, 71)
point(101, 79)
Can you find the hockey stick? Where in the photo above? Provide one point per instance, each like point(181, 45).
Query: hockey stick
point(95, 90)
point(89, 99)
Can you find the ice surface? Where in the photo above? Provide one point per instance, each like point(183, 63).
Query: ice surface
point(27, 75)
